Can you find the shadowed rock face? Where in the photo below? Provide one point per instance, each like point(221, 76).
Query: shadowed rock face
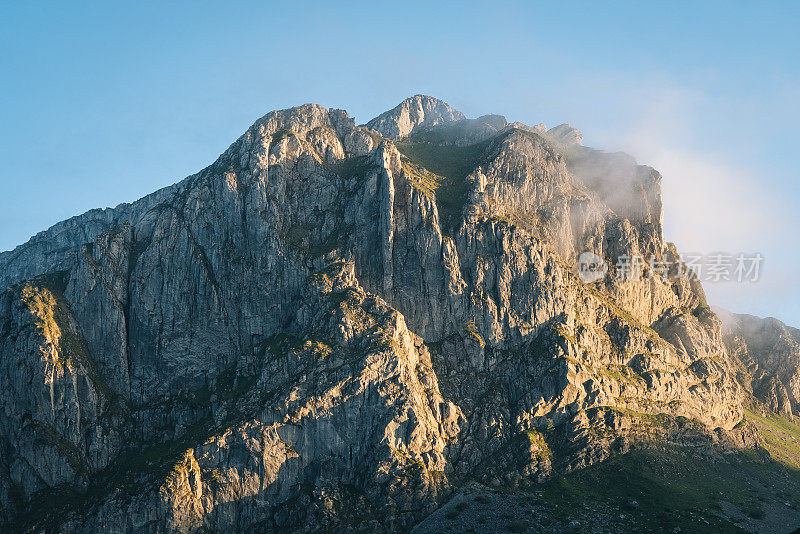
point(334, 325)
point(769, 355)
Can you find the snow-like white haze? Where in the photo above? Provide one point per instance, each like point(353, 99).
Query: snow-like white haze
point(712, 206)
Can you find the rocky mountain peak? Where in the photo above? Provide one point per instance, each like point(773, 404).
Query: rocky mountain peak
point(566, 135)
point(333, 322)
point(414, 114)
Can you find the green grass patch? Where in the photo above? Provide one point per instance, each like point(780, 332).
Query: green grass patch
point(621, 373)
point(281, 134)
point(452, 164)
point(780, 437)
point(422, 179)
point(539, 444)
point(634, 475)
point(674, 487)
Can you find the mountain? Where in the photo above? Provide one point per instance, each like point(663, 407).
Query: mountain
point(412, 115)
point(768, 353)
point(342, 328)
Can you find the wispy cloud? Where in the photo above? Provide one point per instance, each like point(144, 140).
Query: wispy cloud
point(712, 204)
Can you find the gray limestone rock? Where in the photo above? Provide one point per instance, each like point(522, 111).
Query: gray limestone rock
point(769, 353)
point(419, 112)
point(332, 323)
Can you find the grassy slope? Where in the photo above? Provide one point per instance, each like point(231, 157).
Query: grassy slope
point(678, 487)
point(780, 437)
point(673, 487)
point(453, 164)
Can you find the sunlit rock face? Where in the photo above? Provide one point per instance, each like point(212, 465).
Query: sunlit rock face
point(336, 326)
point(414, 114)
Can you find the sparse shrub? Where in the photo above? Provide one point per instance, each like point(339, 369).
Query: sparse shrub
point(472, 330)
point(215, 476)
point(549, 426)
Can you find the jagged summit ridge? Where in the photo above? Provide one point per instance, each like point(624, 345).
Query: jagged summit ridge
point(413, 114)
point(566, 134)
point(422, 112)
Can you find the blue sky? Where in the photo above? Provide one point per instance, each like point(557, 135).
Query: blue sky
point(103, 104)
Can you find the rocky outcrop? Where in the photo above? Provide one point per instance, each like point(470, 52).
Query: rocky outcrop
point(330, 328)
point(336, 417)
point(417, 113)
point(566, 135)
point(768, 353)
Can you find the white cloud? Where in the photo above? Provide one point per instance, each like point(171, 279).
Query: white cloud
point(712, 205)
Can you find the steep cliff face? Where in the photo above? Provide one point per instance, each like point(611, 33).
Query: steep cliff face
point(337, 325)
point(768, 353)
